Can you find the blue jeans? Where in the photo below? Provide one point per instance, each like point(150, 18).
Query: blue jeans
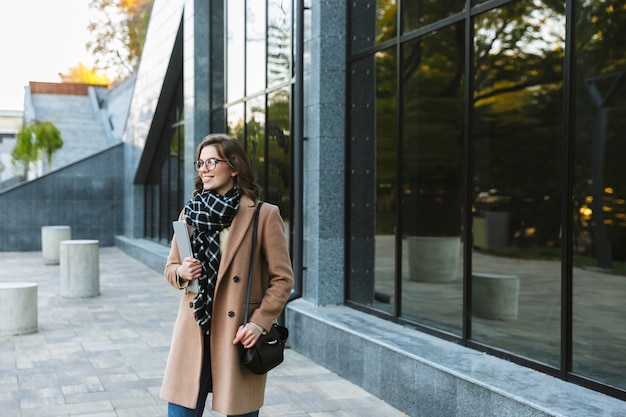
point(206, 386)
point(174, 410)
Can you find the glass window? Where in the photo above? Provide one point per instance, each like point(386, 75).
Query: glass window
point(235, 121)
point(599, 195)
point(432, 178)
point(386, 178)
point(279, 17)
point(163, 192)
point(373, 185)
point(255, 137)
point(419, 13)
point(542, 190)
point(260, 117)
point(235, 50)
point(279, 150)
point(517, 179)
point(255, 46)
point(386, 20)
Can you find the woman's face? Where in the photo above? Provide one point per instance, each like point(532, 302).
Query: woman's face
point(222, 178)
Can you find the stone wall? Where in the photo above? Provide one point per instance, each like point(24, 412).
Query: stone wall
point(86, 195)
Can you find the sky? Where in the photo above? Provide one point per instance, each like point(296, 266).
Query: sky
point(38, 40)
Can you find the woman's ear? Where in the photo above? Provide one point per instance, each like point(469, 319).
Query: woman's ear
point(234, 173)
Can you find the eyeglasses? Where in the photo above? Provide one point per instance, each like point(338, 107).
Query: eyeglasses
point(210, 163)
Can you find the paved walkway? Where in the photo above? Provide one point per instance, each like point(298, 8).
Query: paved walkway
point(104, 356)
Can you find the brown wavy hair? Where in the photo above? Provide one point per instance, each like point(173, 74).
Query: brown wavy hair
point(230, 149)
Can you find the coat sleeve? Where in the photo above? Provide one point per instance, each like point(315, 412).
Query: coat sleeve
point(173, 260)
point(279, 280)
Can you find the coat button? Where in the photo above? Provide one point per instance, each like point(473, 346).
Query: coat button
point(236, 278)
point(231, 314)
point(191, 304)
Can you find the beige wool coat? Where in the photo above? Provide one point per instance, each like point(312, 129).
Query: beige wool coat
point(236, 390)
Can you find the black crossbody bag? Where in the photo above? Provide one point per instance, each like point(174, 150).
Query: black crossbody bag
point(268, 351)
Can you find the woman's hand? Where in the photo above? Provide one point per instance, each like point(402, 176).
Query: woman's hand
point(247, 335)
point(190, 269)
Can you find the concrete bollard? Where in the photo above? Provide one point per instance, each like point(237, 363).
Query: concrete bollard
point(51, 236)
point(434, 259)
point(80, 268)
point(495, 296)
point(18, 308)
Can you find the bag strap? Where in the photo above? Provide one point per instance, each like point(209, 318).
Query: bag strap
point(254, 235)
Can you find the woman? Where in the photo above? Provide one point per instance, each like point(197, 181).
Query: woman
point(204, 356)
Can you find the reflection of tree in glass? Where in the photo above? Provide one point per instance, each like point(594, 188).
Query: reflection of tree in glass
point(272, 164)
point(235, 122)
point(278, 42)
point(433, 86)
point(386, 20)
point(279, 147)
point(255, 137)
point(518, 137)
point(600, 66)
point(416, 14)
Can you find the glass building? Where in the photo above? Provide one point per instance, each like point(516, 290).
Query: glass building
point(451, 174)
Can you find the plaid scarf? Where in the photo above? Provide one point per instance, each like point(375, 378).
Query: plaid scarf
point(208, 213)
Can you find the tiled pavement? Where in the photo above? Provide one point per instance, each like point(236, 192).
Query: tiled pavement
point(104, 356)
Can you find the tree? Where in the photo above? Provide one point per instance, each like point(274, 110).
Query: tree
point(118, 30)
point(81, 73)
point(35, 139)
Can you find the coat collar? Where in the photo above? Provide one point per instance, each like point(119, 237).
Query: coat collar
point(238, 228)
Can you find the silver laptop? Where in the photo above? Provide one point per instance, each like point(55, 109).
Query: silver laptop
point(181, 234)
